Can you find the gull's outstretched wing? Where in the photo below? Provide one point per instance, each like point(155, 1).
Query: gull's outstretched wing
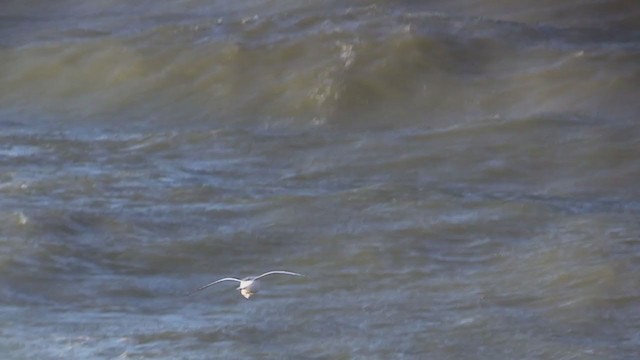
point(278, 272)
point(213, 283)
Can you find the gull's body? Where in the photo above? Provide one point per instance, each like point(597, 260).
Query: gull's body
point(249, 285)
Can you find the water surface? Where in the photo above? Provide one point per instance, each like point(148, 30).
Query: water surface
point(457, 180)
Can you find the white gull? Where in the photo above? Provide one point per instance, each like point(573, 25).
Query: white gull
point(249, 285)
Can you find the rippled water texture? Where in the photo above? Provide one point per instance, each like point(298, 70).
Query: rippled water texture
point(456, 179)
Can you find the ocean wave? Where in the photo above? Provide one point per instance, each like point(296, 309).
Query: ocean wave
point(352, 67)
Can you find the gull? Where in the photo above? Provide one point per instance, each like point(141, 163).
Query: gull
point(249, 285)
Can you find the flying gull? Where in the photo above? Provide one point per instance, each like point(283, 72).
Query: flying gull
point(249, 285)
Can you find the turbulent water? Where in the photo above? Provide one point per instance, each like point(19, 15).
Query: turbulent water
point(455, 179)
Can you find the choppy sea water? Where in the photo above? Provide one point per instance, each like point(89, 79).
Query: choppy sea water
point(456, 179)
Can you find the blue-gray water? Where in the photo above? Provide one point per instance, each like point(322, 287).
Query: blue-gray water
point(456, 179)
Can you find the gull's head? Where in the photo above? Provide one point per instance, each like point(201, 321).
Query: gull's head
point(246, 293)
point(248, 287)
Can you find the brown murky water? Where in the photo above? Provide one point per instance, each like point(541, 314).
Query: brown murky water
point(457, 180)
